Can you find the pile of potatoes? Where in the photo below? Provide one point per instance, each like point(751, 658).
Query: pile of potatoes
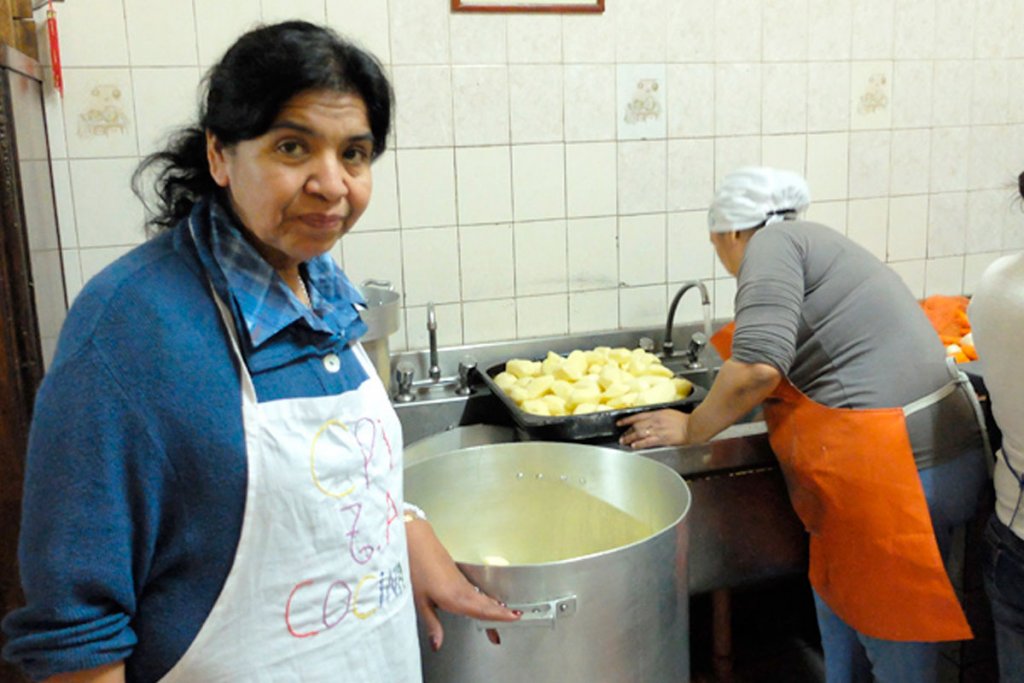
point(603, 378)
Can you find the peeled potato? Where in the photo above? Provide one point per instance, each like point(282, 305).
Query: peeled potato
point(535, 406)
point(505, 380)
point(638, 366)
point(517, 393)
point(624, 401)
point(550, 364)
point(574, 367)
point(614, 391)
point(684, 387)
point(659, 370)
point(523, 368)
point(584, 395)
point(539, 386)
point(585, 408)
point(662, 392)
point(556, 404)
point(561, 388)
point(609, 375)
point(620, 355)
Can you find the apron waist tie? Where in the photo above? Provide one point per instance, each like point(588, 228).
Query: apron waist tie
point(959, 379)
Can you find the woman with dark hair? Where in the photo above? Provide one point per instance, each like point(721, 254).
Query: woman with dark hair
point(213, 486)
point(997, 320)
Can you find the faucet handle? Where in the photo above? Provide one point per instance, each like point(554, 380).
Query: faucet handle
point(403, 376)
point(466, 367)
point(698, 340)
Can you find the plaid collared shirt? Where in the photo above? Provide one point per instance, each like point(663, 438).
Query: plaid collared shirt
point(267, 304)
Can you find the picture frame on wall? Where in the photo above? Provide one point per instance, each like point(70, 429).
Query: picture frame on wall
point(563, 6)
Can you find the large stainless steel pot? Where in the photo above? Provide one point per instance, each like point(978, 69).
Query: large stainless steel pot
point(596, 542)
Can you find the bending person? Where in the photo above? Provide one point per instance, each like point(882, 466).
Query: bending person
point(877, 436)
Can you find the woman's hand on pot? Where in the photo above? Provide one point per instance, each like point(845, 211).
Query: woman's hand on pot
point(657, 428)
point(437, 582)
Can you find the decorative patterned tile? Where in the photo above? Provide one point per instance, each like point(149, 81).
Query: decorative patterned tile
point(99, 114)
point(641, 98)
point(870, 95)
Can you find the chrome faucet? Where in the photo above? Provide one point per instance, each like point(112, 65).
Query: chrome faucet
point(435, 368)
point(403, 378)
point(696, 343)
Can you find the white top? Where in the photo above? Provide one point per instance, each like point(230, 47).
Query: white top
point(997, 323)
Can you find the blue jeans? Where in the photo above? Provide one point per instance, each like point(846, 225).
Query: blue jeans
point(952, 490)
point(1003, 567)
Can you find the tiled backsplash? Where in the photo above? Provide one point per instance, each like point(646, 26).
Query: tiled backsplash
point(550, 174)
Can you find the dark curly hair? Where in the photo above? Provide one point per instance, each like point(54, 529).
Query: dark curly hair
point(244, 93)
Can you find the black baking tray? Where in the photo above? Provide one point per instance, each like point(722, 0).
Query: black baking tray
point(590, 427)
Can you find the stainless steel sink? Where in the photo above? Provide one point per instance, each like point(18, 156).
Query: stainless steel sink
point(441, 410)
point(702, 377)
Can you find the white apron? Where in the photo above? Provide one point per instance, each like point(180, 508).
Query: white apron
point(319, 589)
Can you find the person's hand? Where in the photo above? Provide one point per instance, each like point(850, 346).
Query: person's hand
point(437, 582)
point(658, 428)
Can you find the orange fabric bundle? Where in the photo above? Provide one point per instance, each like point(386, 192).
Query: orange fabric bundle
point(948, 315)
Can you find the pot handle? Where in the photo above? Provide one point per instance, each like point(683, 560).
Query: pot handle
point(380, 284)
point(543, 613)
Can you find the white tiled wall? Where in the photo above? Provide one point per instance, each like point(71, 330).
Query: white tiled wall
point(549, 174)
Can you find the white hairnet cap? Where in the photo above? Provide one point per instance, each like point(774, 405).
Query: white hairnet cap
point(753, 196)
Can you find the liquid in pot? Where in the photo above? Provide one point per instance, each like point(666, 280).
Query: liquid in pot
point(532, 521)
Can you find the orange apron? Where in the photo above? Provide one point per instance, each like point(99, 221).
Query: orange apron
point(853, 482)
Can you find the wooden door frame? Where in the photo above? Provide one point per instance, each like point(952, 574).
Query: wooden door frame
point(21, 363)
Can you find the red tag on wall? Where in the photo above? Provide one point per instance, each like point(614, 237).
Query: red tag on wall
point(51, 29)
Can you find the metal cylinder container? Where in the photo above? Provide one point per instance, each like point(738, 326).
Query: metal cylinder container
point(381, 315)
point(589, 542)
